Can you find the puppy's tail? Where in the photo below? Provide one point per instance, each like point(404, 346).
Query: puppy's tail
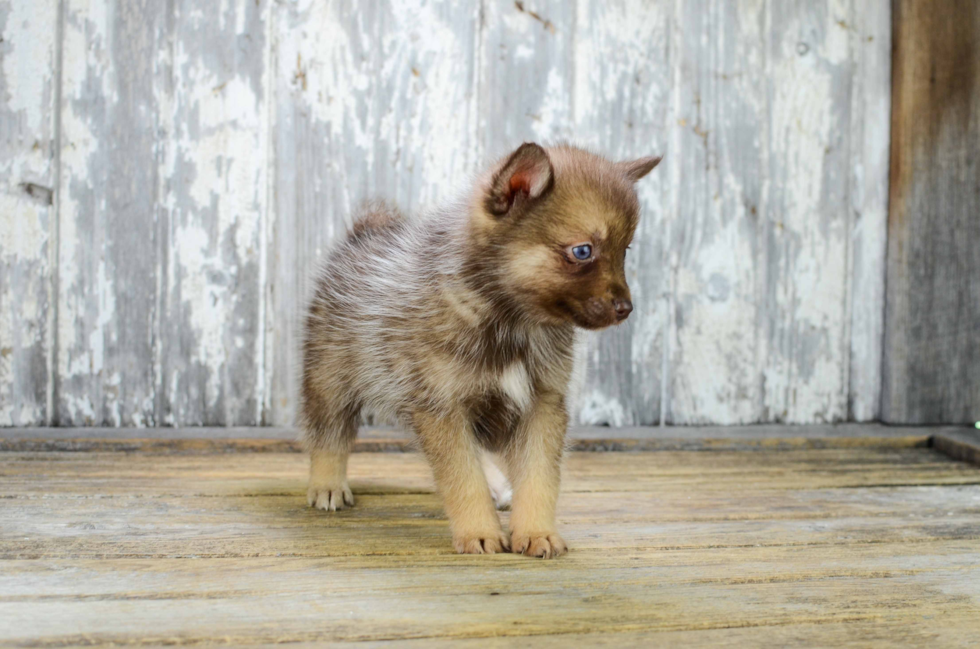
point(374, 217)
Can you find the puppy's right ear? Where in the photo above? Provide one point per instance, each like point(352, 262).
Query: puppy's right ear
point(636, 169)
point(526, 176)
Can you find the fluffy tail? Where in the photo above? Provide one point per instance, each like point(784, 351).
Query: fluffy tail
point(374, 217)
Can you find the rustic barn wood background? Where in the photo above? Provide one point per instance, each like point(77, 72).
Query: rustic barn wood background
point(932, 335)
point(170, 173)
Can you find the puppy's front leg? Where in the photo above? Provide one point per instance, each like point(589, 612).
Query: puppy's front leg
point(534, 459)
point(452, 451)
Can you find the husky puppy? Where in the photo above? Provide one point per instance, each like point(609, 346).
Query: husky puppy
point(461, 325)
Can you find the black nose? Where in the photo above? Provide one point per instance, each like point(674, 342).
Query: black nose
point(623, 308)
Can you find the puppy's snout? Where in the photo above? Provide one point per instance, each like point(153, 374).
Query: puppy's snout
point(623, 308)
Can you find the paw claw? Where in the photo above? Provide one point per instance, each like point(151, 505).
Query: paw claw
point(544, 546)
point(330, 498)
point(486, 543)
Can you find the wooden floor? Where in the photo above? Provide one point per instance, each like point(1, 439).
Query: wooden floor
point(838, 546)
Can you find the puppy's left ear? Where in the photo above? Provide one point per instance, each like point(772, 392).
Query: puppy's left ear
point(636, 169)
point(526, 175)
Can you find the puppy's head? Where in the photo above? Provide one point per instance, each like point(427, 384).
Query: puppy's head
point(555, 224)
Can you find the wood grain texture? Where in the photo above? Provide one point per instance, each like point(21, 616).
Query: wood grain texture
point(960, 444)
point(286, 440)
point(210, 155)
point(111, 220)
point(718, 274)
point(761, 246)
point(932, 355)
point(782, 548)
point(212, 352)
point(28, 231)
point(771, 432)
point(870, 39)
point(621, 101)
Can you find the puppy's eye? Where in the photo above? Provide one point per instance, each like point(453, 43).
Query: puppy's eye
point(582, 252)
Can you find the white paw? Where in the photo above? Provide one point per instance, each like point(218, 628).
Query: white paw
point(498, 483)
point(502, 497)
point(330, 498)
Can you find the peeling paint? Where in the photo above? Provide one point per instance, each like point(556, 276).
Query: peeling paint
point(27, 129)
point(216, 170)
point(210, 154)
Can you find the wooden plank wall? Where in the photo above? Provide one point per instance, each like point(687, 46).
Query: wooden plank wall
point(932, 338)
point(28, 216)
point(188, 163)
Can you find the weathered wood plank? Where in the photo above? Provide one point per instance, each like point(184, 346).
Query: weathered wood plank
point(372, 102)
point(114, 93)
point(525, 74)
point(729, 566)
point(620, 103)
point(807, 211)
point(209, 443)
point(425, 532)
point(961, 444)
point(772, 432)
point(212, 357)
point(613, 602)
point(28, 222)
point(956, 630)
point(717, 234)
point(245, 474)
point(870, 44)
point(190, 515)
point(761, 320)
point(724, 540)
point(375, 439)
point(932, 321)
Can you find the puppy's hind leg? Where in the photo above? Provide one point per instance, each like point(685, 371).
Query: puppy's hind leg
point(330, 437)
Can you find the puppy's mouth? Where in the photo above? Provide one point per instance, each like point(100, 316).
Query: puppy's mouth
point(592, 314)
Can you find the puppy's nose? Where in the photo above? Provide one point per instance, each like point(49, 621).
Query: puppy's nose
point(623, 308)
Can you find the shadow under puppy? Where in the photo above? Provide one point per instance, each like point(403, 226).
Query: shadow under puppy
point(461, 325)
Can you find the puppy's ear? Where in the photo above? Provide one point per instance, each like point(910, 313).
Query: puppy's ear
point(636, 169)
point(527, 175)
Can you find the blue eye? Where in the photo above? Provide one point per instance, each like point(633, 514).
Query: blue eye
point(583, 252)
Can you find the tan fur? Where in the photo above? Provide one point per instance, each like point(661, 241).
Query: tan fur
point(460, 325)
point(328, 488)
point(456, 464)
point(534, 465)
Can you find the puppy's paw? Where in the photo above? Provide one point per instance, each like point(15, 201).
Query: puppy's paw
point(330, 497)
point(502, 495)
point(481, 543)
point(543, 545)
point(328, 488)
point(499, 485)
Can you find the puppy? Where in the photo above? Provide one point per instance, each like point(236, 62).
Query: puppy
point(461, 325)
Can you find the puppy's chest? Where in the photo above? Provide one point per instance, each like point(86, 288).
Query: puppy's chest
point(496, 409)
point(515, 385)
point(496, 371)
point(511, 387)
point(526, 366)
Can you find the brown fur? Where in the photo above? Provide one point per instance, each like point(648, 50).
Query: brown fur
point(461, 325)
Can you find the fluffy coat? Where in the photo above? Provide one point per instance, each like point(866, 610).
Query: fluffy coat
point(461, 325)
